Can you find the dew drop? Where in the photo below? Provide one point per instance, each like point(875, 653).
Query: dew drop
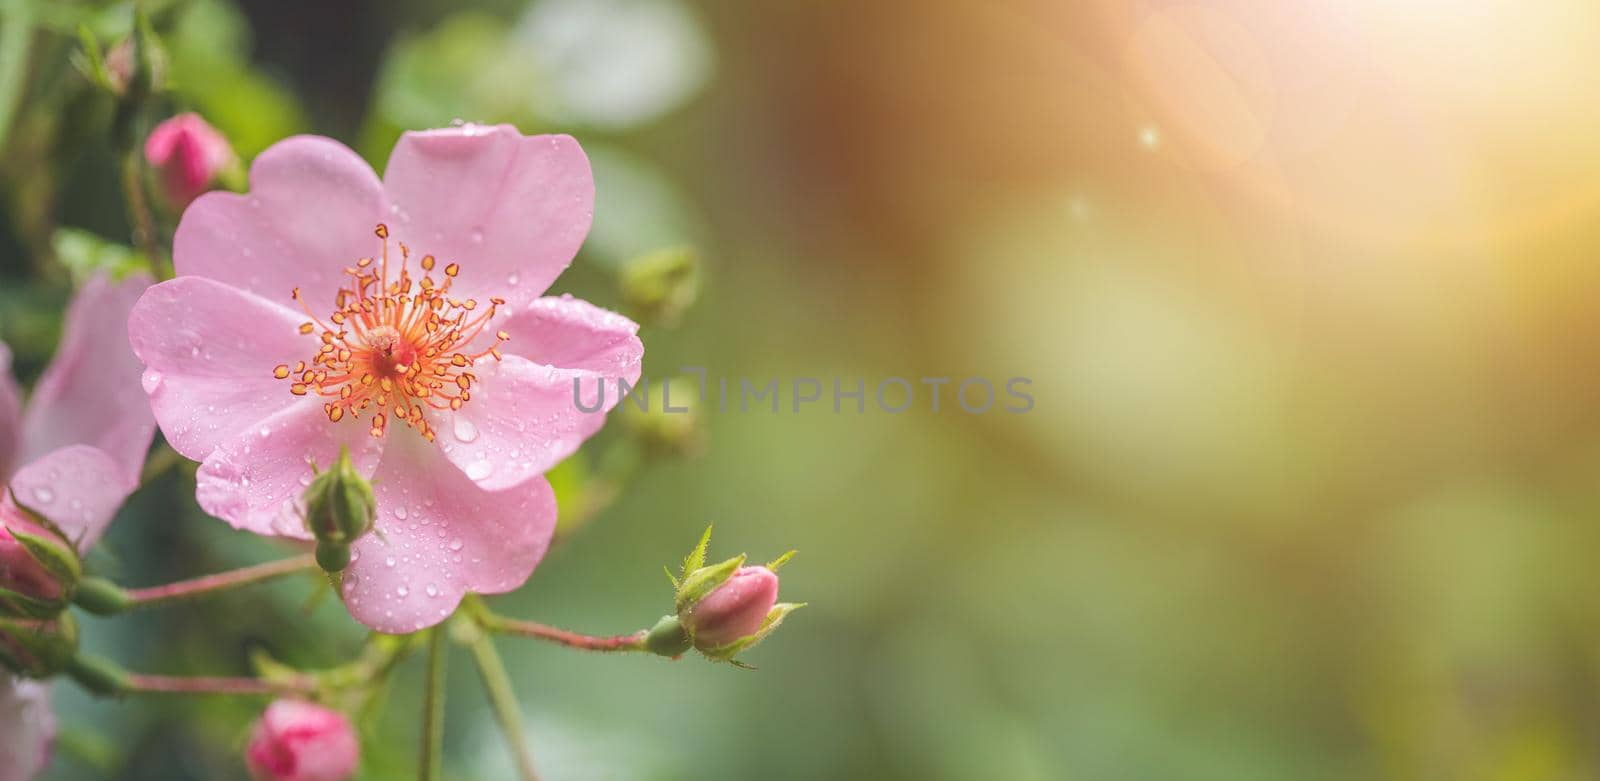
point(464, 430)
point(400, 512)
point(456, 544)
point(402, 592)
point(44, 495)
point(432, 590)
point(388, 562)
point(478, 470)
point(151, 381)
point(513, 280)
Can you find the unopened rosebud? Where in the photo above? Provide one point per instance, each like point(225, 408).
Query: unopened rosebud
point(300, 741)
point(340, 508)
point(38, 567)
point(38, 649)
point(735, 609)
point(189, 155)
point(660, 286)
point(723, 608)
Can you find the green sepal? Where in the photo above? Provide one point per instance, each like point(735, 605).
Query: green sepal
point(38, 649)
point(60, 561)
point(775, 616)
point(91, 61)
point(701, 582)
point(697, 557)
point(39, 519)
point(781, 560)
point(15, 605)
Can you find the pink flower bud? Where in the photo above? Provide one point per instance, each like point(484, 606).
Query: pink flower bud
point(189, 154)
point(299, 741)
point(734, 609)
point(21, 573)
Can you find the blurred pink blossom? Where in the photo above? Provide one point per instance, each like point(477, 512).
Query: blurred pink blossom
point(189, 154)
point(734, 609)
point(299, 741)
point(402, 319)
point(81, 441)
point(27, 728)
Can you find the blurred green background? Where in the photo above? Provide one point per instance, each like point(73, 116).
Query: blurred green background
point(1306, 292)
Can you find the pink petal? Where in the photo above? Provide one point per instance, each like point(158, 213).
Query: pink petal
point(574, 334)
point(255, 480)
point(522, 421)
point(310, 213)
point(27, 728)
point(440, 536)
point(10, 413)
point(210, 350)
point(78, 487)
point(511, 209)
point(89, 393)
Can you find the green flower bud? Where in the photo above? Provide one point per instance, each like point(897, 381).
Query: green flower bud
point(672, 422)
point(38, 649)
point(340, 508)
point(660, 286)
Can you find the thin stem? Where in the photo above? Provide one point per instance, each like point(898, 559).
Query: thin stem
point(538, 631)
point(504, 701)
point(431, 765)
point(144, 224)
point(222, 581)
point(167, 684)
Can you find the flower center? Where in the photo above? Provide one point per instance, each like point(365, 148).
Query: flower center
point(393, 350)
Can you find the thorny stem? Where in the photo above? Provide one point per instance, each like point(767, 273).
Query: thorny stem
point(538, 631)
point(431, 764)
point(222, 581)
point(507, 713)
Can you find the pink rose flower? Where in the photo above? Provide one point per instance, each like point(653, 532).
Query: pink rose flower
point(189, 154)
point(27, 728)
point(402, 319)
point(299, 741)
point(734, 609)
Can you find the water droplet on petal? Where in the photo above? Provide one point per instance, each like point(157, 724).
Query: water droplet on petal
point(43, 495)
point(400, 512)
point(464, 430)
point(478, 470)
point(456, 544)
point(432, 590)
